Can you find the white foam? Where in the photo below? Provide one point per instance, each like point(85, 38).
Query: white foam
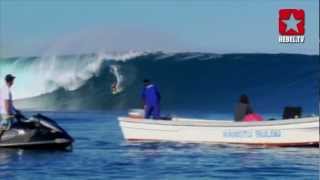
point(48, 73)
point(120, 56)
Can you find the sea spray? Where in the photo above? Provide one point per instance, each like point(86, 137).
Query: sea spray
point(41, 75)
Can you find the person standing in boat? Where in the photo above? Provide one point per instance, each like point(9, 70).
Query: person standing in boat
point(7, 109)
point(151, 100)
point(243, 108)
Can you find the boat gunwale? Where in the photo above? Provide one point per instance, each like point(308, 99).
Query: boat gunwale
point(217, 123)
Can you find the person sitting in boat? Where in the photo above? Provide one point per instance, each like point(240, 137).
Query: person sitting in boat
point(243, 108)
point(151, 99)
point(7, 109)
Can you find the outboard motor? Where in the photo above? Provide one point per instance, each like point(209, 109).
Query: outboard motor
point(292, 112)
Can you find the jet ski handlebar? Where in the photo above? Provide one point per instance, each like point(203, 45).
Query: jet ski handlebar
point(19, 116)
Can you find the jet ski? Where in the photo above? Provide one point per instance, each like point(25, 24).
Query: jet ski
point(37, 132)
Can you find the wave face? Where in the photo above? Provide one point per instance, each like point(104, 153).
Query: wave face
point(189, 81)
point(42, 75)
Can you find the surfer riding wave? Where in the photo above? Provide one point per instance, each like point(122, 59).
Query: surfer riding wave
point(116, 87)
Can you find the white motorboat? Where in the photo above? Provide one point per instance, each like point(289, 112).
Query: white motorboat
point(283, 133)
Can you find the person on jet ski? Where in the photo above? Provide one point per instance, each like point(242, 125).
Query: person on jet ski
point(7, 109)
point(151, 99)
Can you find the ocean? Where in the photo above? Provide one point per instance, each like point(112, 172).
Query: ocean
point(75, 90)
point(99, 152)
point(187, 81)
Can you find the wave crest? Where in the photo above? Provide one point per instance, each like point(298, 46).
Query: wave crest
point(42, 75)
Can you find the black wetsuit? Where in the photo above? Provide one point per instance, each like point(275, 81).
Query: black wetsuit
point(241, 111)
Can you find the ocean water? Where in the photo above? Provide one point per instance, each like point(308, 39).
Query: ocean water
point(99, 152)
point(187, 81)
point(75, 90)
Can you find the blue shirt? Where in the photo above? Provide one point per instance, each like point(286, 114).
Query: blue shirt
point(151, 95)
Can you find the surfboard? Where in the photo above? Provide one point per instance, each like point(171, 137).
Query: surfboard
point(116, 91)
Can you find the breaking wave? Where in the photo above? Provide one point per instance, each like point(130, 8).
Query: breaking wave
point(187, 80)
point(42, 75)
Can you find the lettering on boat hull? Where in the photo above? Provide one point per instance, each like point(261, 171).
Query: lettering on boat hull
point(261, 133)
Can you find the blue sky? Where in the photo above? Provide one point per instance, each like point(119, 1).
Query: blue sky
point(35, 27)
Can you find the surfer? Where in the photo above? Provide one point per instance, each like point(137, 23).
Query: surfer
point(7, 109)
point(114, 88)
point(151, 99)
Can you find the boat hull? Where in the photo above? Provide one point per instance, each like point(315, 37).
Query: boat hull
point(283, 133)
